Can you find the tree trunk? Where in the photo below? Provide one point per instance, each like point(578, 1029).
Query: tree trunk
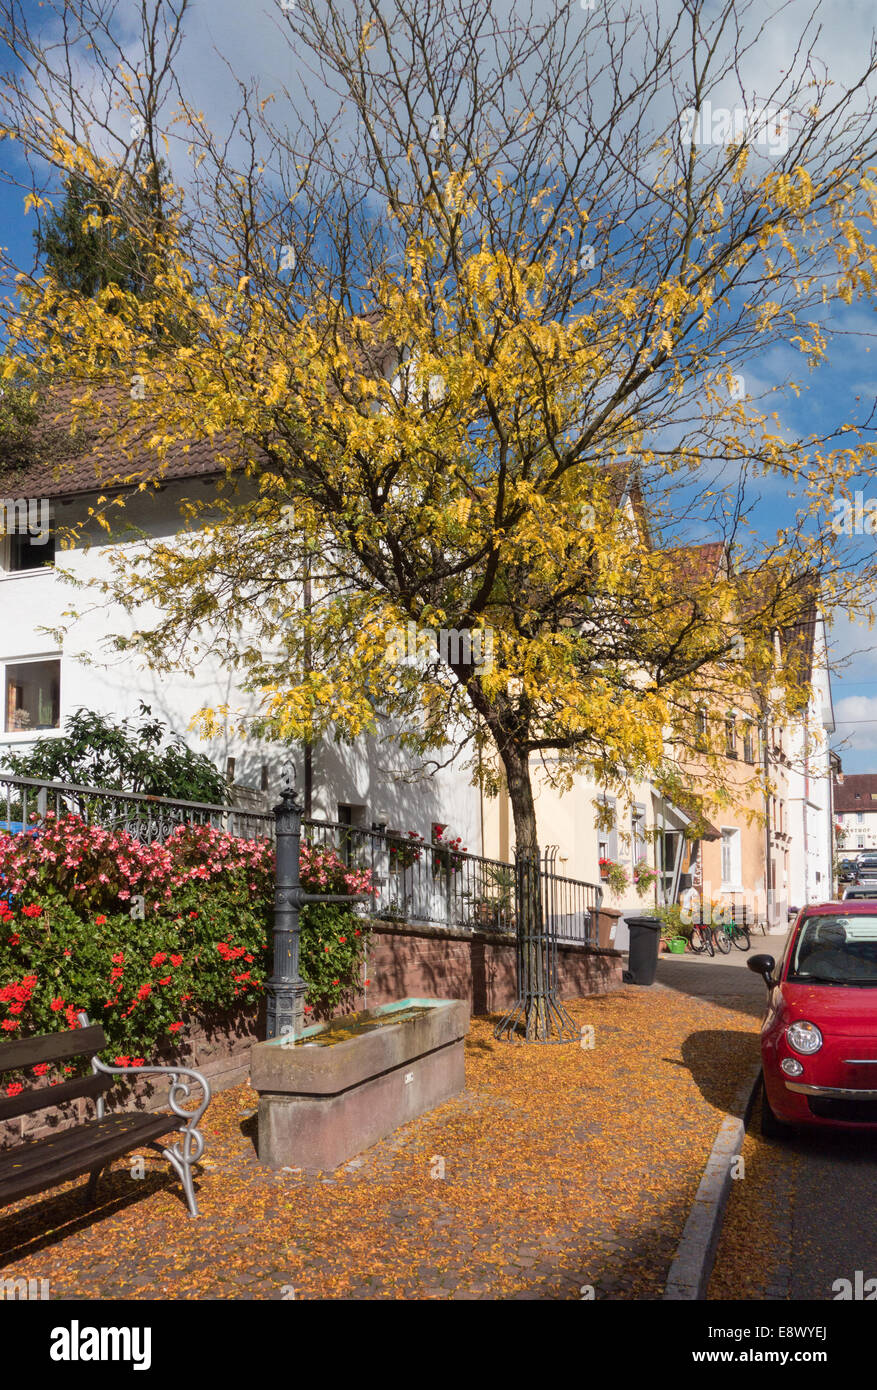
point(532, 946)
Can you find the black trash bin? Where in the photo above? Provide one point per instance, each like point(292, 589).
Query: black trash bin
point(645, 937)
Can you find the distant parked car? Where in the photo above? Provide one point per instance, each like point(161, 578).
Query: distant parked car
point(868, 891)
point(846, 871)
point(866, 869)
point(819, 1035)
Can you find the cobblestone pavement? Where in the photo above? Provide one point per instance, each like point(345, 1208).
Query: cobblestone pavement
point(804, 1216)
point(567, 1173)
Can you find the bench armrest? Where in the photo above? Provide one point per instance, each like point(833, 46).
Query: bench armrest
point(179, 1091)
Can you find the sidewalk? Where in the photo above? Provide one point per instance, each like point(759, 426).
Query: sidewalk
point(564, 1168)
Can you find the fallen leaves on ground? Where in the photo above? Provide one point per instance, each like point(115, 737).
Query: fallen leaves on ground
point(564, 1168)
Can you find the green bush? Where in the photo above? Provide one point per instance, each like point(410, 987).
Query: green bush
point(147, 937)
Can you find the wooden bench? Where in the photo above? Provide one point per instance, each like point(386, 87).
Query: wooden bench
point(36, 1165)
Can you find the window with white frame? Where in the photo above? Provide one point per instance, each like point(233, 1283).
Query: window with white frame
point(27, 534)
point(731, 865)
point(638, 833)
point(32, 695)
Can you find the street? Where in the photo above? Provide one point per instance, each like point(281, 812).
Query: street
point(805, 1214)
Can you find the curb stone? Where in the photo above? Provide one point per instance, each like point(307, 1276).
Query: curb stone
point(693, 1262)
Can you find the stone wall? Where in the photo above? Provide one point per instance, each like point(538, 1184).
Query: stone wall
point(448, 963)
point(402, 961)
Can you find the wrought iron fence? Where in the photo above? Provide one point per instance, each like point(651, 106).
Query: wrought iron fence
point(416, 881)
point(436, 884)
point(148, 818)
point(569, 905)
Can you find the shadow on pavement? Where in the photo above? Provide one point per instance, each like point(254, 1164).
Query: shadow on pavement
point(738, 1052)
point(735, 987)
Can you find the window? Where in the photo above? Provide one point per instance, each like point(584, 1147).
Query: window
point(349, 817)
point(26, 523)
point(607, 841)
point(25, 553)
point(700, 731)
point(638, 833)
point(33, 695)
point(860, 818)
point(731, 857)
point(749, 743)
point(731, 735)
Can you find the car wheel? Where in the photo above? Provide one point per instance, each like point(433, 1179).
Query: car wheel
point(771, 1127)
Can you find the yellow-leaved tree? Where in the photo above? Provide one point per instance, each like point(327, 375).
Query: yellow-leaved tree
point(475, 328)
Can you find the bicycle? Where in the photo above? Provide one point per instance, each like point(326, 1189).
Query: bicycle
point(702, 939)
point(732, 934)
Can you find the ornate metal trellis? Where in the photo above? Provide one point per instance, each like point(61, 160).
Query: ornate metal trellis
point(537, 1014)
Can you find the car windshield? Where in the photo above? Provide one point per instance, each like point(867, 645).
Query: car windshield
point(836, 950)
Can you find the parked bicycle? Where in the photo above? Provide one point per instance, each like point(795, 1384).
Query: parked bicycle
point(702, 940)
point(730, 934)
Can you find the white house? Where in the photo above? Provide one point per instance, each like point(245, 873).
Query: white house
point(855, 804)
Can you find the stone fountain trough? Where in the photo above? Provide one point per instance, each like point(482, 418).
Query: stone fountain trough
point(343, 1085)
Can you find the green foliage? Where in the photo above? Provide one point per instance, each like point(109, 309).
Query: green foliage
point(674, 928)
point(26, 438)
point(148, 938)
point(95, 752)
point(88, 245)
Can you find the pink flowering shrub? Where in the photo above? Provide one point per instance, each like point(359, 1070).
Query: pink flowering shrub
point(72, 936)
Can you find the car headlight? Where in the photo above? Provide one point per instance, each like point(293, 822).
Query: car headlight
point(804, 1037)
point(791, 1066)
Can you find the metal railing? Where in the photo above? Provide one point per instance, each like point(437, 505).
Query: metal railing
point(570, 905)
point(416, 881)
point(147, 818)
point(432, 883)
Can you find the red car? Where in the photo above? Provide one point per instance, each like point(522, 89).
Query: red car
point(819, 1036)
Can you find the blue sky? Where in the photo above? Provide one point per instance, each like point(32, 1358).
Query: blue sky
point(249, 33)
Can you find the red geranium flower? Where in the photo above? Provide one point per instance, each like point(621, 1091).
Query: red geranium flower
point(176, 960)
point(118, 958)
point(175, 1027)
point(14, 940)
point(159, 958)
point(41, 1069)
point(56, 1005)
point(32, 910)
point(15, 1089)
point(100, 920)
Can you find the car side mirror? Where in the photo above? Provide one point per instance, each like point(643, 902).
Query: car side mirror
point(764, 966)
